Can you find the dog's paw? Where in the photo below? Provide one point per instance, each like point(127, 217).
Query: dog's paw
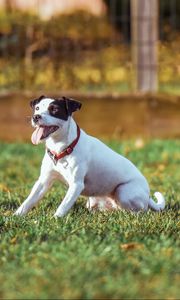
point(60, 213)
point(56, 217)
point(20, 211)
point(101, 204)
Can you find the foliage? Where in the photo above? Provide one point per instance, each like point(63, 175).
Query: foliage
point(107, 70)
point(104, 70)
point(77, 51)
point(38, 54)
point(169, 68)
point(85, 255)
point(19, 31)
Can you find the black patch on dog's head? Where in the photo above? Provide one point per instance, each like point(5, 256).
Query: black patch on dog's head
point(63, 108)
point(36, 101)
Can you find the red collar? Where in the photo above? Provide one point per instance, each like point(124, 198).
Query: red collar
point(55, 156)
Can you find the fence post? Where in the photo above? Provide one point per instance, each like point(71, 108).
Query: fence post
point(144, 37)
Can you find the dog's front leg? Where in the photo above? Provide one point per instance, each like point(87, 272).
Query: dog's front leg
point(39, 189)
point(73, 193)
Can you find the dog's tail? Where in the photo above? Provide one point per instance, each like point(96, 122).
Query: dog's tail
point(160, 205)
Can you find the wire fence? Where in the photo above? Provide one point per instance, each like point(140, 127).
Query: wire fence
point(82, 51)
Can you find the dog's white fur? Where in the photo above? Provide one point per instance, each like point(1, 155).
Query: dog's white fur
point(92, 169)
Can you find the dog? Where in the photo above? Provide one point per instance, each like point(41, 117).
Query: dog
point(86, 165)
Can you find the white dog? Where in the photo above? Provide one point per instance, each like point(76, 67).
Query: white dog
point(83, 163)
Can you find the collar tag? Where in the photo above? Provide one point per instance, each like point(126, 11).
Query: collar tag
point(52, 156)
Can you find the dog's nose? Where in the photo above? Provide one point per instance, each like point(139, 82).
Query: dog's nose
point(36, 118)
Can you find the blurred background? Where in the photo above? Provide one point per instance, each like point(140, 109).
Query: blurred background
point(120, 58)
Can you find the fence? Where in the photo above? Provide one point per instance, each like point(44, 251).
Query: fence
point(84, 52)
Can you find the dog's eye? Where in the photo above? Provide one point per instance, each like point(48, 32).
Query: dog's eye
point(37, 108)
point(53, 109)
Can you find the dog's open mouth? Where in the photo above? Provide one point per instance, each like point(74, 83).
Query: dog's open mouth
point(42, 132)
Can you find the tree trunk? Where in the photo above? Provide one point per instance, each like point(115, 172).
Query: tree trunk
point(144, 38)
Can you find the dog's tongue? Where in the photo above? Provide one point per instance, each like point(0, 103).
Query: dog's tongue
point(36, 136)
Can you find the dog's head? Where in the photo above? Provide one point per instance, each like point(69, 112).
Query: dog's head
point(50, 115)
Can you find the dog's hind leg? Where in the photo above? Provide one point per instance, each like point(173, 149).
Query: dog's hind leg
point(101, 203)
point(131, 197)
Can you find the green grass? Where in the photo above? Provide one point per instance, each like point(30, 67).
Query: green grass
point(85, 255)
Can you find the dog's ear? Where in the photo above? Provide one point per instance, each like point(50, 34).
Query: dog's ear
point(71, 105)
point(63, 107)
point(36, 101)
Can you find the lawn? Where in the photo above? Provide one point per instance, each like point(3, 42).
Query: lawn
point(85, 255)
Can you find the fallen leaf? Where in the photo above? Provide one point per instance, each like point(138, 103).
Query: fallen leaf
point(131, 246)
point(13, 240)
point(161, 167)
point(7, 213)
point(4, 188)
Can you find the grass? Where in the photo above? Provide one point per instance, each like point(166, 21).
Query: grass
point(85, 255)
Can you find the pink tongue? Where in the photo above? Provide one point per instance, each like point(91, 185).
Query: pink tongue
point(36, 136)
